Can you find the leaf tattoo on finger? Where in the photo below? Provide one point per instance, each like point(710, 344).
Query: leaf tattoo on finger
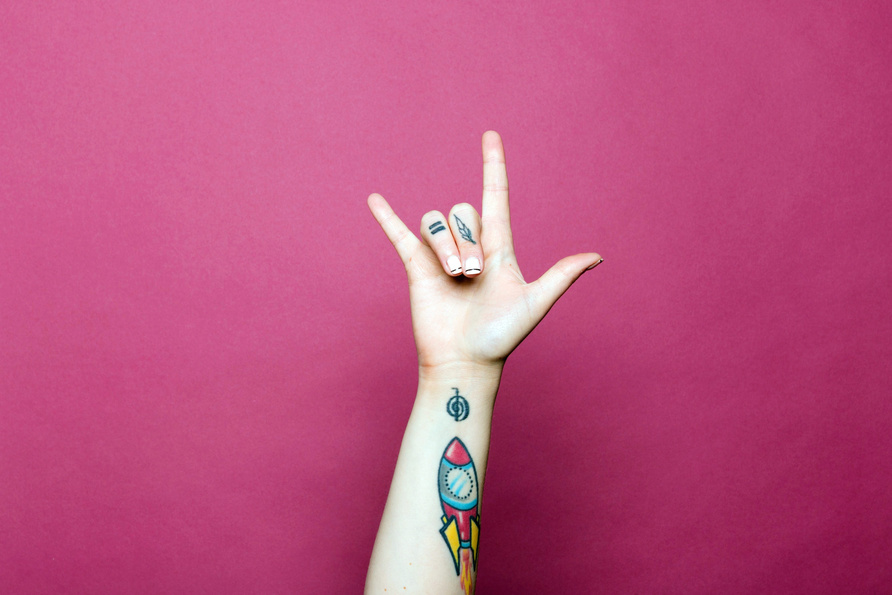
point(464, 230)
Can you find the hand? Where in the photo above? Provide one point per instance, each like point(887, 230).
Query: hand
point(467, 311)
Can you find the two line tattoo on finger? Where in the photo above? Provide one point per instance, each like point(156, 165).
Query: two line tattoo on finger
point(436, 227)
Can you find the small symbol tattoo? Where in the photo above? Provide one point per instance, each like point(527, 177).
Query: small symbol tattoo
point(436, 227)
point(458, 406)
point(464, 230)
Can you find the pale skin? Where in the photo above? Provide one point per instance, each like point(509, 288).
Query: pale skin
point(467, 320)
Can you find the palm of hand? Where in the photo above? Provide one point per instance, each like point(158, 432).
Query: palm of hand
point(468, 320)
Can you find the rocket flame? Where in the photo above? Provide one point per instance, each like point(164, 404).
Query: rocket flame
point(467, 579)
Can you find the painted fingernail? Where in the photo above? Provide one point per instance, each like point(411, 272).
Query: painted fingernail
point(472, 265)
point(594, 265)
point(454, 264)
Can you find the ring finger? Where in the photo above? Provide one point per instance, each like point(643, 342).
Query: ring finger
point(465, 224)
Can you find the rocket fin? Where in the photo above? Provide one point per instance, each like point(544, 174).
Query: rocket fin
point(475, 539)
point(450, 534)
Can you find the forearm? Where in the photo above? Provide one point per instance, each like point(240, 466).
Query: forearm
point(427, 540)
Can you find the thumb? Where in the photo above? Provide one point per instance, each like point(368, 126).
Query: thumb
point(558, 279)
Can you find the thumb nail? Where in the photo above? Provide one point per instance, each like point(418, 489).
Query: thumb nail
point(594, 265)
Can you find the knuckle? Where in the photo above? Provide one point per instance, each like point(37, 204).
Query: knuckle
point(463, 207)
point(565, 272)
point(429, 219)
point(400, 237)
point(496, 221)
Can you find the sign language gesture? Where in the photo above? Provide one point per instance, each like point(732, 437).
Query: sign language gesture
point(470, 308)
point(470, 302)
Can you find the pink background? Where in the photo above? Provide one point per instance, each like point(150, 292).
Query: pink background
point(206, 360)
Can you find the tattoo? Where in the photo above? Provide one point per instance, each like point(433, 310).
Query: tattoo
point(464, 230)
point(458, 406)
point(458, 487)
point(436, 227)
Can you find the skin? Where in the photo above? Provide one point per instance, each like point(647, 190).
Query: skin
point(465, 327)
point(480, 322)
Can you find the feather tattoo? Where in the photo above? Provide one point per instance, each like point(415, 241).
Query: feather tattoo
point(464, 230)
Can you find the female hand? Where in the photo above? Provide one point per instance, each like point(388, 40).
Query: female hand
point(470, 303)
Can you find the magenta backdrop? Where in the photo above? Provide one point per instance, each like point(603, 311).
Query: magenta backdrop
point(206, 359)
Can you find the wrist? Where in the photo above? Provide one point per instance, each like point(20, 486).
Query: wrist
point(460, 371)
point(477, 383)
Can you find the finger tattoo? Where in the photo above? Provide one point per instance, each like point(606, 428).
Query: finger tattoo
point(464, 230)
point(436, 227)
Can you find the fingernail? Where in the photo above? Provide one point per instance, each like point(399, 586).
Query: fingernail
point(594, 265)
point(454, 264)
point(472, 265)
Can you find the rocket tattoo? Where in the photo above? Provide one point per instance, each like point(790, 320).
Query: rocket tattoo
point(461, 521)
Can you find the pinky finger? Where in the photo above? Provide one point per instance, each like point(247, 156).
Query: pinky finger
point(396, 231)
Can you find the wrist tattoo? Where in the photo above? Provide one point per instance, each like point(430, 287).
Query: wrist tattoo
point(459, 489)
point(436, 227)
point(464, 230)
point(457, 406)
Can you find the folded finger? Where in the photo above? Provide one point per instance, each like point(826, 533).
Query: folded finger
point(435, 233)
point(465, 224)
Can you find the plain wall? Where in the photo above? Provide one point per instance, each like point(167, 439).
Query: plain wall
point(206, 359)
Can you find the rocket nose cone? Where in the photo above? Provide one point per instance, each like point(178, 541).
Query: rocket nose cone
point(456, 453)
